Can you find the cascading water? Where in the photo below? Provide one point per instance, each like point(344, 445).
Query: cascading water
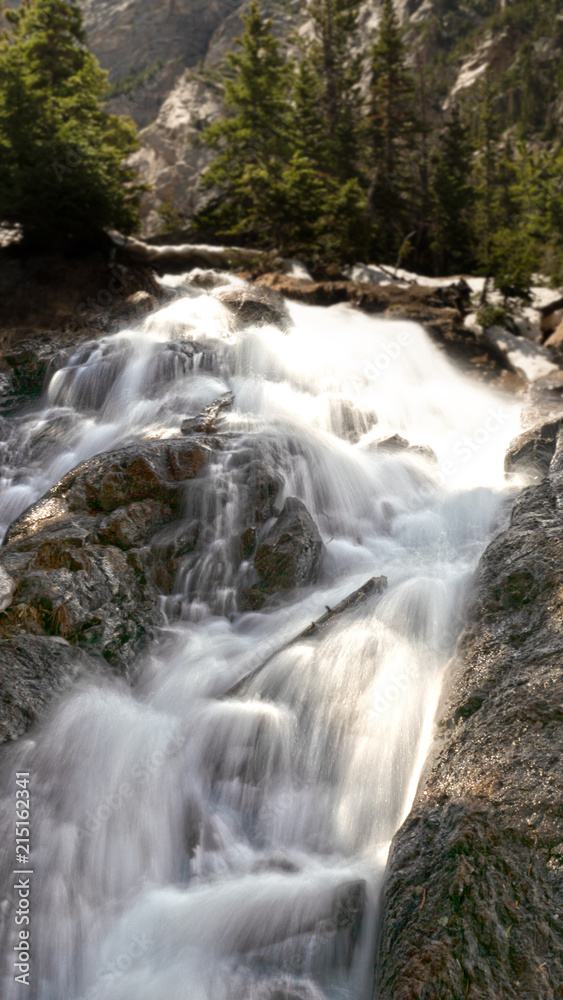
point(191, 846)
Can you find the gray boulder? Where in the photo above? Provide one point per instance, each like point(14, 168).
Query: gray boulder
point(289, 556)
point(531, 452)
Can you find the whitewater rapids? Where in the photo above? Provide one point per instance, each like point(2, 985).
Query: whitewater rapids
point(191, 847)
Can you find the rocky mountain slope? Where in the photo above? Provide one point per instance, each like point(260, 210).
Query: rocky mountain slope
point(163, 58)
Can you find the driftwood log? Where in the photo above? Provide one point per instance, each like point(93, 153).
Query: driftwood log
point(184, 256)
point(376, 585)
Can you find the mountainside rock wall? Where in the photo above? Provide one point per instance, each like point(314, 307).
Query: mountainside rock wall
point(474, 894)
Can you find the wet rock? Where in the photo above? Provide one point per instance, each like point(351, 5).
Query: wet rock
point(33, 670)
point(396, 444)
point(290, 555)
point(474, 889)
point(530, 454)
point(207, 421)
point(255, 305)
point(350, 421)
point(84, 570)
point(135, 524)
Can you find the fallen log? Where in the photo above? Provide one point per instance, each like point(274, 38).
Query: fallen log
point(376, 585)
point(185, 256)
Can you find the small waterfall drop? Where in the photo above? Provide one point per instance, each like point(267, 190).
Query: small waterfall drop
point(191, 845)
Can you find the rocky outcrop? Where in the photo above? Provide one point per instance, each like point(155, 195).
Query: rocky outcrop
point(255, 305)
point(531, 453)
point(530, 361)
point(289, 556)
point(88, 565)
point(474, 892)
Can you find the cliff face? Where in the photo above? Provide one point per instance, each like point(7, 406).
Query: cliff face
point(474, 894)
point(162, 61)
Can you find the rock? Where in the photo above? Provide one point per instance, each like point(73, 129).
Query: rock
point(544, 400)
point(555, 342)
point(82, 566)
point(291, 553)
point(207, 421)
point(255, 305)
point(7, 587)
point(551, 321)
point(133, 525)
point(473, 892)
point(396, 443)
point(350, 421)
point(530, 454)
point(530, 361)
point(135, 307)
point(526, 326)
point(33, 670)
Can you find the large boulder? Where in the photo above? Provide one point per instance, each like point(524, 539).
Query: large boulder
point(474, 887)
point(289, 556)
point(255, 304)
point(86, 567)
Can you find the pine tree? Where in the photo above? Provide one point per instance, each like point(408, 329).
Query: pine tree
point(454, 198)
point(486, 173)
point(391, 131)
point(268, 184)
point(62, 173)
point(336, 69)
point(253, 142)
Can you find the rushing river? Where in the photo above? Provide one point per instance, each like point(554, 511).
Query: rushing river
point(188, 846)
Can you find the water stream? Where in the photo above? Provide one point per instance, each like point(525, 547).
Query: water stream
point(187, 846)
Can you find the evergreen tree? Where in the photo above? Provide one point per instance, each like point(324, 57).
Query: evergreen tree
point(61, 168)
point(392, 130)
point(335, 69)
point(253, 142)
point(486, 173)
point(267, 184)
point(454, 198)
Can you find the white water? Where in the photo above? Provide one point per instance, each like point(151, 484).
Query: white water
point(187, 847)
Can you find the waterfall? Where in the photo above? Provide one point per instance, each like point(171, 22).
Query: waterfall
point(191, 844)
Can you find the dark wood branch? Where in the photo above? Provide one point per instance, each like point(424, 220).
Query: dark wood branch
point(376, 585)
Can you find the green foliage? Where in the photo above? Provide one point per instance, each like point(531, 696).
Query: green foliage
point(489, 316)
point(454, 198)
point(134, 79)
point(392, 128)
point(62, 173)
point(303, 161)
point(330, 62)
point(266, 188)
